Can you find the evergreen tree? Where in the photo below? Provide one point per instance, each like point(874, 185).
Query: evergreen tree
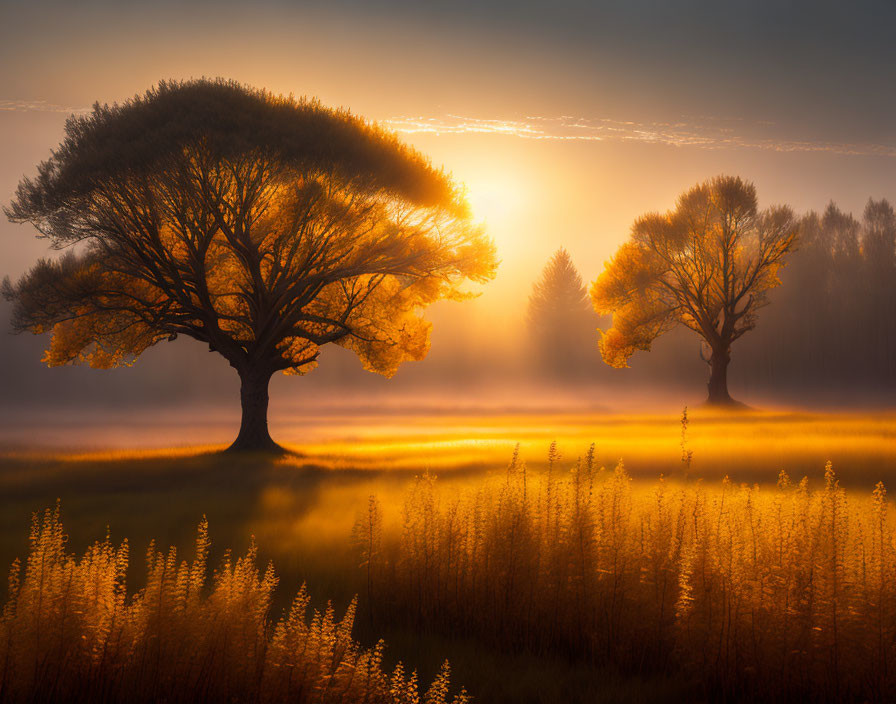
point(560, 320)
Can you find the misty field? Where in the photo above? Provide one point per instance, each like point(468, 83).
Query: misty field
point(549, 578)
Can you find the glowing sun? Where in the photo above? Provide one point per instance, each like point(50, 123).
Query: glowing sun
point(494, 199)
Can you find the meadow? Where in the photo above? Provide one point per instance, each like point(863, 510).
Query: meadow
point(759, 585)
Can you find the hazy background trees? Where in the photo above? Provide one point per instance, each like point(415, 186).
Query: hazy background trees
point(831, 328)
point(561, 324)
point(827, 334)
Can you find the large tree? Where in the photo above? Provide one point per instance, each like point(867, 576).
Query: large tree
point(560, 319)
point(708, 265)
point(262, 226)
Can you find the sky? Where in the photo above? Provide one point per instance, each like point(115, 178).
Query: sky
point(565, 120)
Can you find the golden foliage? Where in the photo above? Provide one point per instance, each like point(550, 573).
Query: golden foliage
point(706, 265)
point(69, 631)
point(356, 272)
point(260, 225)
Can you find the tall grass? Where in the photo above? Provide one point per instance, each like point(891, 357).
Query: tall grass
point(70, 632)
point(786, 593)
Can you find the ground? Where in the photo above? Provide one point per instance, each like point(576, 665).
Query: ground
point(301, 508)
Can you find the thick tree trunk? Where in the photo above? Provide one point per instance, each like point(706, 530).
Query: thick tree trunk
point(254, 435)
point(718, 379)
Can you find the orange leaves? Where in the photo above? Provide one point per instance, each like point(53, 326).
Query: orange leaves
point(262, 226)
point(298, 349)
point(68, 343)
point(635, 327)
point(100, 340)
point(347, 267)
point(706, 265)
point(628, 289)
point(615, 348)
point(630, 273)
point(383, 346)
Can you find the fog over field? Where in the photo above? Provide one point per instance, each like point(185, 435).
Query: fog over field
point(585, 135)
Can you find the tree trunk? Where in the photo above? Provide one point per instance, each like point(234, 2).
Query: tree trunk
point(254, 435)
point(718, 379)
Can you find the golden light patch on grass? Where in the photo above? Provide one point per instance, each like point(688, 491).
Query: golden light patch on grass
point(446, 440)
point(722, 443)
point(752, 444)
point(110, 455)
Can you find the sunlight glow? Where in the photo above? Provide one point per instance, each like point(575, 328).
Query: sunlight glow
point(494, 198)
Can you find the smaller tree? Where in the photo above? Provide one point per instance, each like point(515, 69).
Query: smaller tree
point(560, 318)
point(708, 265)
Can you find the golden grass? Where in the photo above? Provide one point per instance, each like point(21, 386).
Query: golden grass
point(70, 632)
point(762, 594)
point(723, 443)
point(302, 510)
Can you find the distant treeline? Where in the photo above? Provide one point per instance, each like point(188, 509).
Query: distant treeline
point(829, 327)
point(832, 322)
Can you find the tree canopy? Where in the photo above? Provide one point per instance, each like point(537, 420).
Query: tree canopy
point(708, 265)
point(261, 225)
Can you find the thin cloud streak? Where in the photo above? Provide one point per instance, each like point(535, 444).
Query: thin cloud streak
point(582, 129)
point(711, 133)
point(39, 106)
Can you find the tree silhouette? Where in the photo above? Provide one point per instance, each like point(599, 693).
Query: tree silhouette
point(263, 226)
point(879, 309)
point(560, 318)
point(706, 265)
point(832, 329)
